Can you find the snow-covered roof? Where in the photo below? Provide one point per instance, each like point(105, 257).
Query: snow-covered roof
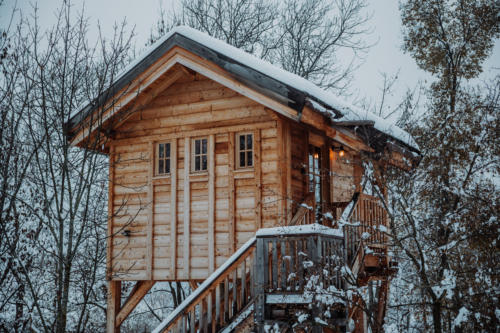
point(321, 100)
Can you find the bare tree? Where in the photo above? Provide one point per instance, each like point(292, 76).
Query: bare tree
point(313, 32)
point(55, 234)
point(246, 24)
point(303, 37)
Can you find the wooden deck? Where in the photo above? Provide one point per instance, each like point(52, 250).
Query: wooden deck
point(269, 271)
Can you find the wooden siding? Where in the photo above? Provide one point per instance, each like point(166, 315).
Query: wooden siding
point(299, 166)
point(184, 225)
point(343, 183)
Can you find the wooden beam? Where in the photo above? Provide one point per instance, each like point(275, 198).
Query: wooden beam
point(358, 172)
point(288, 161)
point(316, 120)
point(111, 184)
point(325, 180)
point(231, 193)
point(349, 139)
point(140, 290)
point(282, 174)
point(114, 303)
point(211, 203)
point(258, 178)
point(193, 285)
point(187, 207)
point(150, 212)
point(173, 210)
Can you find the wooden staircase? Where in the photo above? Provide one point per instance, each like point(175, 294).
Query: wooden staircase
point(283, 258)
point(273, 278)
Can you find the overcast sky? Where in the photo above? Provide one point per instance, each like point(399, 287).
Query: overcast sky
point(385, 57)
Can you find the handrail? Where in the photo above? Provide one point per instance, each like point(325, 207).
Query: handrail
point(201, 297)
point(276, 261)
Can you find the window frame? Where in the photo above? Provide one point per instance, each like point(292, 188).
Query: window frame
point(246, 150)
point(157, 159)
point(194, 155)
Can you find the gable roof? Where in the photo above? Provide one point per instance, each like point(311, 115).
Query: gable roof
point(274, 82)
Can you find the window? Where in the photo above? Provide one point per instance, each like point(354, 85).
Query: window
point(315, 178)
point(244, 152)
point(200, 155)
point(163, 159)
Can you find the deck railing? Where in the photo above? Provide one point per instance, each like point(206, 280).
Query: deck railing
point(368, 225)
point(293, 251)
point(277, 262)
point(276, 265)
point(288, 258)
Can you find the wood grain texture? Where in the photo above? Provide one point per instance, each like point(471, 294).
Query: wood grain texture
point(258, 180)
point(173, 211)
point(211, 203)
point(109, 239)
point(199, 219)
point(114, 304)
point(187, 208)
point(150, 212)
point(231, 193)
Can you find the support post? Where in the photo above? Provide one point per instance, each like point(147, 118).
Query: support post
point(140, 290)
point(260, 300)
point(187, 209)
point(231, 195)
point(114, 304)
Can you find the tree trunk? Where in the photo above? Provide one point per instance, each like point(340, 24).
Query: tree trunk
point(436, 317)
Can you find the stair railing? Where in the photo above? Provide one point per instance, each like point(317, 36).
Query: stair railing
point(218, 299)
point(305, 213)
point(275, 263)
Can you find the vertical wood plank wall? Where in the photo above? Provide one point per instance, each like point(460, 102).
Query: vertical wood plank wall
point(299, 151)
point(185, 225)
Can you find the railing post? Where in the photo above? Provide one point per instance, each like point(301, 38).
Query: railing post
point(260, 302)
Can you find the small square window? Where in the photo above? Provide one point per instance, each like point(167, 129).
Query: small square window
point(163, 159)
point(244, 150)
point(199, 155)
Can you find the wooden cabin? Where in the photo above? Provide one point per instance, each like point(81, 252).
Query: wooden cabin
point(208, 146)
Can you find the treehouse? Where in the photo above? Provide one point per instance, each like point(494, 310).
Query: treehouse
point(231, 174)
